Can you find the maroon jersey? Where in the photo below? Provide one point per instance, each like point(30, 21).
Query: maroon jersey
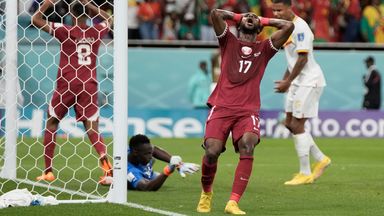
point(79, 48)
point(242, 68)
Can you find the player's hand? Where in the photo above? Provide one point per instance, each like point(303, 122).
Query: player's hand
point(188, 168)
point(84, 2)
point(50, 2)
point(282, 86)
point(176, 160)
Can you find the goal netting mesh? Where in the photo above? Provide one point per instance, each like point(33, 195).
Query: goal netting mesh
point(75, 163)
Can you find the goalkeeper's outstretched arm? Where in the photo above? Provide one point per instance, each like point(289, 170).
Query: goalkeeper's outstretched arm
point(156, 183)
point(161, 154)
point(37, 18)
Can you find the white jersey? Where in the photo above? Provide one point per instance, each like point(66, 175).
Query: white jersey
point(301, 41)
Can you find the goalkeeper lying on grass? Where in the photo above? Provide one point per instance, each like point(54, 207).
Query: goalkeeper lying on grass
point(140, 162)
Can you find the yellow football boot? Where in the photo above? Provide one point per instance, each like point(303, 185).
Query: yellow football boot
point(300, 179)
point(319, 167)
point(233, 208)
point(204, 205)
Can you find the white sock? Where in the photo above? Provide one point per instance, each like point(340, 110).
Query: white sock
point(302, 146)
point(316, 153)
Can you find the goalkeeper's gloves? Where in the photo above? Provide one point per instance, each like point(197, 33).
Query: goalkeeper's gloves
point(168, 170)
point(176, 160)
point(188, 168)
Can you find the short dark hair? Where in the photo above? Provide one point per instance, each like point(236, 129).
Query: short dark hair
point(138, 140)
point(286, 2)
point(370, 59)
point(78, 10)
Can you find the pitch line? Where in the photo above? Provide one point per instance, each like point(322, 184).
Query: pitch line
point(96, 199)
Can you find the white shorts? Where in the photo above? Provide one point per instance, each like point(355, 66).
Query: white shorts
point(303, 101)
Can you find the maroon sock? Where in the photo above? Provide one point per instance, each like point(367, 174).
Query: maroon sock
point(97, 142)
point(242, 174)
point(49, 148)
point(208, 172)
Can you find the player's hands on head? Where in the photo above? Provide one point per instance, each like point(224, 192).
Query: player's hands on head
point(84, 2)
point(188, 168)
point(50, 2)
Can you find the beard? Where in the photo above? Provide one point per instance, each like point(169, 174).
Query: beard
point(254, 30)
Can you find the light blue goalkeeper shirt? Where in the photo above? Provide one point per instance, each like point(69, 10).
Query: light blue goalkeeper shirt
point(137, 172)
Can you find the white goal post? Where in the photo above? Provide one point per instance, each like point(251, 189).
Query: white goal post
point(28, 54)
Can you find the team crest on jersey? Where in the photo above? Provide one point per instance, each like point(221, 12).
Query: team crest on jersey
point(300, 36)
point(246, 50)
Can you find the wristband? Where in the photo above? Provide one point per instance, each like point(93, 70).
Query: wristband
point(237, 18)
point(264, 21)
point(167, 171)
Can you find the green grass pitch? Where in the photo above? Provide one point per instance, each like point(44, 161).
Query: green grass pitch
point(353, 185)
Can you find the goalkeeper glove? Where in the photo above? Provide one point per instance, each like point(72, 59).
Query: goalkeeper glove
point(188, 168)
point(176, 160)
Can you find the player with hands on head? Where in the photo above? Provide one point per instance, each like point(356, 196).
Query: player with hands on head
point(76, 82)
point(141, 157)
point(235, 102)
point(304, 82)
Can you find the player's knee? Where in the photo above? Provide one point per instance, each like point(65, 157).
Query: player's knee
point(51, 128)
point(212, 153)
point(247, 148)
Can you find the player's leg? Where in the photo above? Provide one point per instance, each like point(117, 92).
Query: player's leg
point(87, 111)
point(311, 110)
point(57, 109)
point(97, 141)
point(49, 143)
point(298, 97)
point(243, 171)
point(213, 148)
point(216, 134)
point(322, 161)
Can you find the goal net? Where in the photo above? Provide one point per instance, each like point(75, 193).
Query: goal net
point(30, 59)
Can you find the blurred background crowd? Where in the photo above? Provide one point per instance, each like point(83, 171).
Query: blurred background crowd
point(331, 20)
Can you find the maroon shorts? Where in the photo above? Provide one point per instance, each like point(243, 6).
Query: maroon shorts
point(81, 95)
point(221, 121)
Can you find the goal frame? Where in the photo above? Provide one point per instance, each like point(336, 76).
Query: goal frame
point(118, 190)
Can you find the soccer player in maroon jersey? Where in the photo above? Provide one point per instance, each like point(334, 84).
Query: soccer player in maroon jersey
point(76, 83)
point(235, 102)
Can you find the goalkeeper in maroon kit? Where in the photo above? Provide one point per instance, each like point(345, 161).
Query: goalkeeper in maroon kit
point(235, 102)
point(76, 83)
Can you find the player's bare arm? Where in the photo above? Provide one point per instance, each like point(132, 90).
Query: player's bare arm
point(152, 185)
point(97, 10)
point(161, 154)
point(37, 18)
point(286, 74)
point(285, 29)
point(219, 16)
point(282, 86)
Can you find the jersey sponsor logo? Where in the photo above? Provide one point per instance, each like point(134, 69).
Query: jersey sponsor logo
point(246, 50)
point(256, 54)
point(300, 36)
